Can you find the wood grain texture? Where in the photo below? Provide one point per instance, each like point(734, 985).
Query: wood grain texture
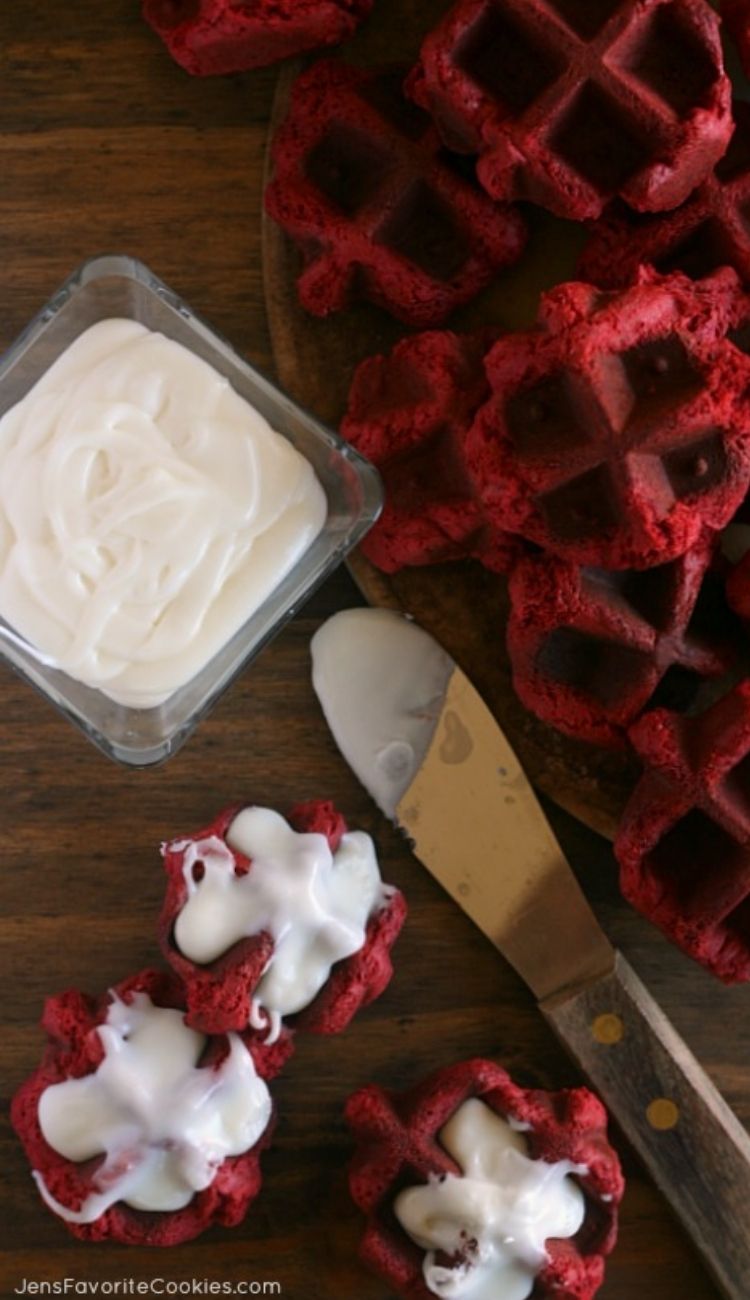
point(107, 145)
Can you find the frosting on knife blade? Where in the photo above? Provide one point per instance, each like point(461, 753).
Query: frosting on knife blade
point(381, 683)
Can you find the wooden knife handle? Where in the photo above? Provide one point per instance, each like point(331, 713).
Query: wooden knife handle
point(694, 1147)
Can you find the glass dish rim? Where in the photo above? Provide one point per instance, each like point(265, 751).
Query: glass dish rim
point(263, 624)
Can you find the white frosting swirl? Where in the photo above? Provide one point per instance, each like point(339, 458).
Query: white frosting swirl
point(163, 1124)
point(497, 1217)
point(314, 903)
point(146, 510)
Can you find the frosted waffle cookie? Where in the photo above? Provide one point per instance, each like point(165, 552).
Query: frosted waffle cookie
point(468, 1181)
point(136, 1127)
point(264, 920)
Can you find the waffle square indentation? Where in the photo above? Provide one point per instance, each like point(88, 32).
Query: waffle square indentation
point(669, 60)
point(544, 420)
point(696, 468)
point(423, 229)
point(584, 507)
point(599, 141)
point(348, 167)
point(506, 60)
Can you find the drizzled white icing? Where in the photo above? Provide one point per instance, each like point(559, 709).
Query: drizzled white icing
point(497, 1216)
point(163, 1124)
point(381, 681)
point(146, 511)
point(314, 904)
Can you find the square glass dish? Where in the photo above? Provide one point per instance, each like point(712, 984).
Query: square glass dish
point(107, 287)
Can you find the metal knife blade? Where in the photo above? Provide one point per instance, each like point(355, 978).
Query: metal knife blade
point(460, 795)
point(424, 744)
point(474, 821)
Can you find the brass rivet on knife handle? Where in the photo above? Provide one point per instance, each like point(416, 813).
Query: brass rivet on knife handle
point(608, 1029)
point(663, 1114)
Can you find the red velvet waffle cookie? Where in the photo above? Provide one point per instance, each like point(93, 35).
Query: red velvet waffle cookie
point(615, 433)
point(398, 1145)
point(220, 36)
point(408, 413)
point(571, 102)
point(362, 187)
point(589, 647)
point(684, 841)
point(223, 993)
point(707, 231)
point(80, 1030)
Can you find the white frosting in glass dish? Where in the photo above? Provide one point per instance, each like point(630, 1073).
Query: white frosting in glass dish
point(146, 511)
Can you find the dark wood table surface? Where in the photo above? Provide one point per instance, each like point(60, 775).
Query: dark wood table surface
point(105, 145)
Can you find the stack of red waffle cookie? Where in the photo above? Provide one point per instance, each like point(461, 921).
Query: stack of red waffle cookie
point(598, 457)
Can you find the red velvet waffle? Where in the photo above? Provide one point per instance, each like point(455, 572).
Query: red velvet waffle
point(571, 102)
point(409, 413)
point(589, 647)
point(220, 36)
point(684, 841)
point(615, 433)
point(363, 188)
point(219, 995)
point(707, 231)
point(398, 1146)
point(75, 1050)
point(736, 16)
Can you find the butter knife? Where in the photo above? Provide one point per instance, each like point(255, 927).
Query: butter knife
point(427, 748)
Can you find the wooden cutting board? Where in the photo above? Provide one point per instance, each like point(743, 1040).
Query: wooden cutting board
point(107, 145)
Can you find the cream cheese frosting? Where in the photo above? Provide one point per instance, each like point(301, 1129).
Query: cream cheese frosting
point(381, 682)
point(496, 1216)
point(163, 1123)
point(315, 904)
point(146, 511)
